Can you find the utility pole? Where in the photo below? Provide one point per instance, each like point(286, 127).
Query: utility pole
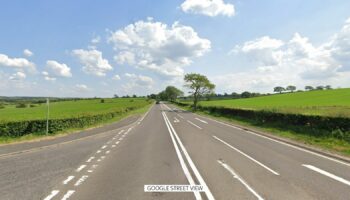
point(47, 115)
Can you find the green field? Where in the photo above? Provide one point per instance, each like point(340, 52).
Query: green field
point(67, 109)
point(334, 103)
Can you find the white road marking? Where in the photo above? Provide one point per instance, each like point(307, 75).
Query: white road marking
point(99, 160)
point(68, 194)
point(337, 178)
point(193, 124)
point(176, 120)
point(80, 168)
point(190, 162)
point(81, 180)
point(103, 147)
point(113, 146)
point(236, 176)
point(120, 139)
point(117, 142)
point(138, 122)
point(103, 157)
point(182, 162)
point(90, 159)
point(244, 154)
point(90, 171)
point(52, 195)
point(107, 152)
point(201, 120)
point(69, 178)
point(180, 116)
point(99, 151)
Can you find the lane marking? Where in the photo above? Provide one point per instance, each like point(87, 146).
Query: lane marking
point(99, 160)
point(99, 151)
point(182, 162)
point(103, 147)
point(113, 146)
point(330, 175)
point(81, 180)
point(68, 194)
point(244, 154)
point(236, 176)
point(120, 139)
point(80, 168)
point(193, 124)
point(192, 165)
point(90, 159)
point(117, 142)
point(180, 116)
point(69, 178)
point(52, 195)
point(201, 120)
point(176, 120)
point(107, 152)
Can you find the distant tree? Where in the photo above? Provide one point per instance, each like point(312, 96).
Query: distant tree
point(199, 86)
point(246, 94)
point(308, 88)
point(21, 105)
point(320, 87)
point(225, 94)
point(115, 96)
point(152, 96)
point(162, 96)
point(102, 101)
point(235, 95)
point(172, 93)
point(2, 106)
point(328, 87)
point(134, 96)
point(279, 89)
point(291, 88)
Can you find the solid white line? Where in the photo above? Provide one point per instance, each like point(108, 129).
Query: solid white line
point(193, 124)
point(53, 193)
point(90, 159)
point(192, 165)
point(236, 176)
point(201, 120)
point(103, 147)
point(68, 194)
point(81, 180)
point(244, 154)
point(340, 179)
point(69, 178)
point(80, 168)
point(182, 162)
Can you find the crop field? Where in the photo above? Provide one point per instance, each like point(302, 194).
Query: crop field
point(68, 109)
point(335, 103)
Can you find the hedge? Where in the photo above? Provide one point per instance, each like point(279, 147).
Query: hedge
point(20, 128)
point(337, 127)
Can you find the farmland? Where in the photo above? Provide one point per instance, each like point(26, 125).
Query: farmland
point(335, 103)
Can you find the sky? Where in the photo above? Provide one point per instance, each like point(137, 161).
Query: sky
point(100, 48)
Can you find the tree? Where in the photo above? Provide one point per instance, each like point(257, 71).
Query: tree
point(152, 96)
point(309, 88)
point(115, 96)
point(328, 87)
point(199, 86)
point(279, 89)
point(320, 87)
point(235, 95)
point(172, 93)
point(291, 88)
point(245, 94)
point(102, 101)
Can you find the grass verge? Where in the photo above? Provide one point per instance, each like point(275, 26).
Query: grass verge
point(40, 136)
point(300, 135)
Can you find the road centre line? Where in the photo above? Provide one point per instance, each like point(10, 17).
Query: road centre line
point(52, 194)
point(179, 155)
point(103, 147)
point(236, 176)
point(201, 120)
point(68, 194)
point(81, 180)
point(244, 154)
point(80, 168)
point(192, 165)
point(90, 159)
point(69, 178)
point(180, 116)
point(193, 124)
point(330, 175)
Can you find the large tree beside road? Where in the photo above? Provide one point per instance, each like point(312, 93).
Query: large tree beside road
point(199, 86)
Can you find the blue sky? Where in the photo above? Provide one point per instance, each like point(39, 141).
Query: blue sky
point(84, 48)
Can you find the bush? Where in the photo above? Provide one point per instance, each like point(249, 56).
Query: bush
point(102, 101)
point(32, 105)
point(21, 105)
point(2, 106)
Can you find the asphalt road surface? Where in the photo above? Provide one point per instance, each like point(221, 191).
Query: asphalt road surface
point(168, 146)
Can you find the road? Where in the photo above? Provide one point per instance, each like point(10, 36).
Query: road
point(168, 146)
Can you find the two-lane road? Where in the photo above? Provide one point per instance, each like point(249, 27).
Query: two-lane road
point(168, 146)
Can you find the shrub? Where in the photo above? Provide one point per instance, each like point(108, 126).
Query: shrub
point(32, 105)
point(21, 105)
point(2, 106)
point(102, 101)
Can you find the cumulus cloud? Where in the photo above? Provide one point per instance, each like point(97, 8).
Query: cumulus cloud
point(27, 53)
point(140, 80)
point(58, 69)
point(16, 62)
point(47, 76)
point(81, 88)
point(92, 61)
point(96, 40)
point(210, 8)
point(17, 76)
point(157, 47)
point(116, 77)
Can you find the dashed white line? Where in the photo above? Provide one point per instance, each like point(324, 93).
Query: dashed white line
point(236, 176)
point(180, 116)
point(330, 175)
point(107, 152)
point(68, 194)
point(120, 139)
point(244, 154)
point(52, 195)
point(117, 142)
point(69, 178)
point(99, 151)
point(80, 168)
point(201, 120)
point(113, 145)
point(99, 160)
point(81, 180)
point(90, 159)
point(103, 147)
point(193, 124)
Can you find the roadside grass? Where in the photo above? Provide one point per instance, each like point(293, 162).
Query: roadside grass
point(299, 134)
point(41, 136)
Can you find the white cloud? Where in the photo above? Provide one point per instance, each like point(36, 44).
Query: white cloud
point(155, 46)
point(18, 76)
point(16, 62)
point(59, 69)
point(140, 80)
point(92, 61)
point(210, 8)
point(116, 77)
point(81, 88)
point(27, 53)
point(47, 76)
point(96, 40)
